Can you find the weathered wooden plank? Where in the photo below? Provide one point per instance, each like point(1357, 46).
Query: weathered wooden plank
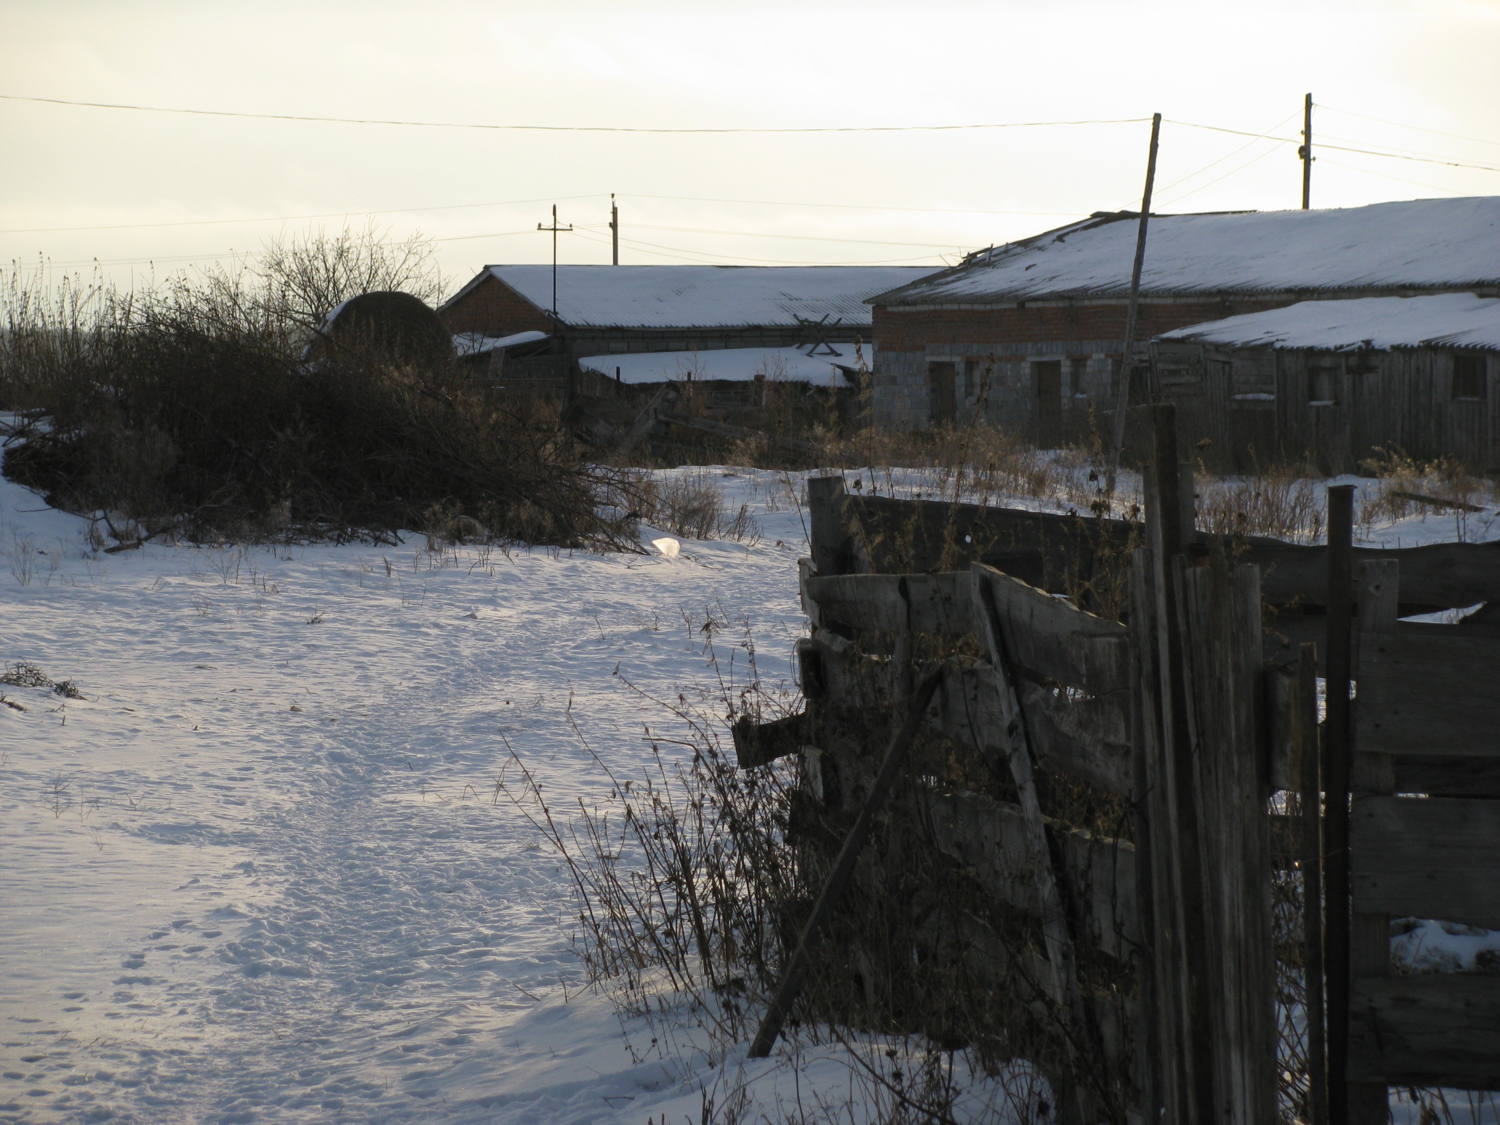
point(1083, 737)
point(757, 744)
point(989, 838)
point(1433, 857)
point(1439, 775)
point(1427, 690)
point(1054, 640)
point(1223, 653)
point(920, 535)
point(939, 603)
point(1435, 576)
point(1441, 1029)
point(1282, 738)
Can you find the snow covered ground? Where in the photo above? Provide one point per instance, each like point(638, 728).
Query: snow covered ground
point(257, 873)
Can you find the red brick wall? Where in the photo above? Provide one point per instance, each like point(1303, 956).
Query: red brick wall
point(495, 309)
point(901, 330)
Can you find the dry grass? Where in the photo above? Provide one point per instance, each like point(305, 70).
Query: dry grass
point(1401, 478)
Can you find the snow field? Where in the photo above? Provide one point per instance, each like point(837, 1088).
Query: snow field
point(259, 872)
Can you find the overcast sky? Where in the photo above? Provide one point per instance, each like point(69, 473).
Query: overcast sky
point(1390, 76)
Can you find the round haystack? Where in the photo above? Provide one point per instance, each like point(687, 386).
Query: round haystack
point(388, 326)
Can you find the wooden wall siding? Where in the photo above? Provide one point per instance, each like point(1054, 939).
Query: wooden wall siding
point(1384, 402)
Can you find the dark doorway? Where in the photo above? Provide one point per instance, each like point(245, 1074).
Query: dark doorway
point(1048, 376)
point(942, 396)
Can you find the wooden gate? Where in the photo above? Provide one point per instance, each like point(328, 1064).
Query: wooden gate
point(1199, 714)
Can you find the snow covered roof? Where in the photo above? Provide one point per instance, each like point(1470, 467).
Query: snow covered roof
point(477, 343)
point(1420, 243)
point(733, 364)
point(701, 296)
point(1447, 320)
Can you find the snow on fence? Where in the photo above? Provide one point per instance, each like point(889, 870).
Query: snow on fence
point(1194, 714)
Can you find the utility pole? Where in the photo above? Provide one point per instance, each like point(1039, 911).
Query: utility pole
point(554, 228)
point(1305, 152)
point(614, 231)
point(1122, 394)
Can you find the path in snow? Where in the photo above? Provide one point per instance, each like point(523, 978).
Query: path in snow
point(258, 874)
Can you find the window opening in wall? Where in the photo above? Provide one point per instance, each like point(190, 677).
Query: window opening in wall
point(1078, 370)
point(1323, 381)
point(1047, 374)
point(941, 394)
point(1469, 376)
point(971, 380)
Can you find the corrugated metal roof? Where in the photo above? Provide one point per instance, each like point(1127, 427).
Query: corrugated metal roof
point(1448, 320)
point(703, 296)
point(1422, 243)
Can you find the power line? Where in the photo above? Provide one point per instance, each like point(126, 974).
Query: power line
point(295, 218)
point(1401, 125)
point(568, 128)
point(1384, 176)
point(521, 202)
point(1233, 171)
point(683, 255)
point(1342, 148)
point(852, 206)
point(797, 237)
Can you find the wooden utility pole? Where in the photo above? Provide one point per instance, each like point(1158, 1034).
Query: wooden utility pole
point(1122, 393)
point(554, 228)
point(614, 231)
point(1305, 152)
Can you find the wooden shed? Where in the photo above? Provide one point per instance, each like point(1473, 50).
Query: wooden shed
point(1337, 382)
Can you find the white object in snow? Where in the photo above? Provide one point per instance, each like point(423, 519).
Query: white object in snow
point(740, 365)
point(667, 546)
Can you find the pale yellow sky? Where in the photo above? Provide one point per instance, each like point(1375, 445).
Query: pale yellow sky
point(776, 198)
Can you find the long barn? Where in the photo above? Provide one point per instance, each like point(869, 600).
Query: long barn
point(1030, 335)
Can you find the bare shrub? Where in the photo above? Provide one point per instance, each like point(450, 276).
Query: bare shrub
point(188, 408)
point(1450, 489)
point(1275, 502)
point(691, 505)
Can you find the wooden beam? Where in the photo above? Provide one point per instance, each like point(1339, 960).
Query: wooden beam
point(1440, 1029)
point(758, 744)
point(1431, 857)
point(1427, 691)
point(1436, 576)
point(1053, 639)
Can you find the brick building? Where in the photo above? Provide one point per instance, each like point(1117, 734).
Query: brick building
point(1030, 334)
point(620, 309)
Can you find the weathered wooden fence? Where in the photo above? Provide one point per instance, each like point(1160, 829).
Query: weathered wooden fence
point(1196, 713)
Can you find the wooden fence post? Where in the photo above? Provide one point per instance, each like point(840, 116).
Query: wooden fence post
point(1161, 959)
point(1197, 1098)
point(827, 533)
point(1372, 774)
point(1222, 647)
point(1305, 736)
point(1337, 651)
